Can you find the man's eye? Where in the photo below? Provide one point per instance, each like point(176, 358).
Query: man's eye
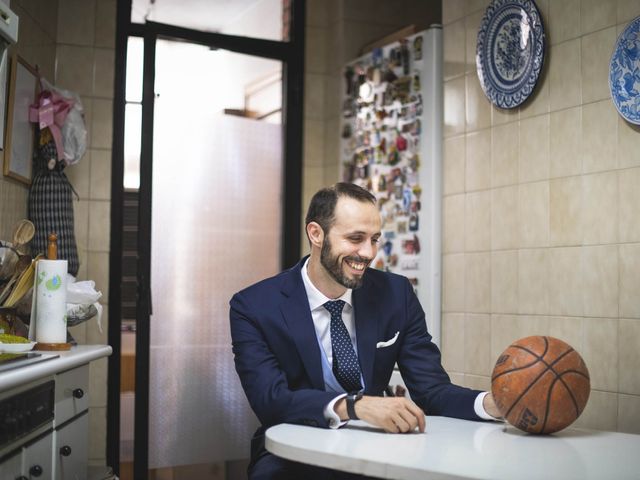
point(355, 239)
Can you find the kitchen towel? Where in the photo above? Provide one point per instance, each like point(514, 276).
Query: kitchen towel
point(49, 308)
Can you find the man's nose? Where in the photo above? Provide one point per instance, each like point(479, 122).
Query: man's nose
point(368, 249)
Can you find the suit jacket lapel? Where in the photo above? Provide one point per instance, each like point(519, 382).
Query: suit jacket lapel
point(296, 313)
point(367, 317)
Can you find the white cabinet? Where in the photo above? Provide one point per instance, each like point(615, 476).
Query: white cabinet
point(36, 459)
point(11, 468)
point(70, 449)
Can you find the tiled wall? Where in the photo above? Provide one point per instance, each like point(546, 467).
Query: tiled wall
point(541, 220)
point(72, 42)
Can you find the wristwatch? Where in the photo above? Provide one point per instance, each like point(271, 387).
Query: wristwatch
point(352, 398)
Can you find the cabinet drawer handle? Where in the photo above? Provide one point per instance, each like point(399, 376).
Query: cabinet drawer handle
point(36, 470)
point(65, 450)
point(78, 393)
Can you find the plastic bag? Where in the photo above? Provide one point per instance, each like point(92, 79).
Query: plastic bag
point(74, 131)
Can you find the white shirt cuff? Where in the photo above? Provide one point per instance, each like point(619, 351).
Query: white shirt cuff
point(479, 408)
point(330, 414)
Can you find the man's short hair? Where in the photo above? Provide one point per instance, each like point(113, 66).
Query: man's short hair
point(323, 204)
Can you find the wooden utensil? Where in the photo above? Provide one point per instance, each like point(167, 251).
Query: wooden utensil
point(23, 232)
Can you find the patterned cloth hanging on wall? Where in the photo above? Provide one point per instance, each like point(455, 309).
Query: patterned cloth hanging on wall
point(51, 201)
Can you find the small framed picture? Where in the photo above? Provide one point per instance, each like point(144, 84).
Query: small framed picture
point(19, 133)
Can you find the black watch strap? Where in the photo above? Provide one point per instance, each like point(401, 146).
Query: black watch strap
point(352, 398)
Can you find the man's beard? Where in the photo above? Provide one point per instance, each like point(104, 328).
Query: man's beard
point(333, 265)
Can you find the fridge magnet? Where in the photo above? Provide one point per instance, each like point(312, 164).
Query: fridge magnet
point(417, 48)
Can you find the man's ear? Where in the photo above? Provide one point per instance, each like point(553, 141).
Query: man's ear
point(315, 234)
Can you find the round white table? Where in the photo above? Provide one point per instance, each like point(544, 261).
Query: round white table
point(452, 448)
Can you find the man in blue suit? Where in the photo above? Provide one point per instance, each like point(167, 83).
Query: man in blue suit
point(316, 344)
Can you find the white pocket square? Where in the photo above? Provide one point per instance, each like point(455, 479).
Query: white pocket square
point(388, 343)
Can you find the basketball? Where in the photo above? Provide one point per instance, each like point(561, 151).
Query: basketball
point(540, 384)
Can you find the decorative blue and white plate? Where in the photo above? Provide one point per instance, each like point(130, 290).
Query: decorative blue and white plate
point(624, 73)
point(510, 51)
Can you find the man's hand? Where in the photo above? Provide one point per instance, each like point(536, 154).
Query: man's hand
point(490, 407)
point(393, 414)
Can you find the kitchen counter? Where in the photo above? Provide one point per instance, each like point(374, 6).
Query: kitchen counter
point(67, 360)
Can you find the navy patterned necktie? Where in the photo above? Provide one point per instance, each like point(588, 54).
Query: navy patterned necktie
point(345, 361)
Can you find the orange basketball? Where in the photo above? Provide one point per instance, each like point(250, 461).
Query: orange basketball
point(540, 384)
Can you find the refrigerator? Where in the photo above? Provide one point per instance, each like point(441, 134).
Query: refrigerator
point(391, 144)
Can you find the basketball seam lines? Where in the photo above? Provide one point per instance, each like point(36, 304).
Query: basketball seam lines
point(573, 398)
point(538, 377)
point(546, 348)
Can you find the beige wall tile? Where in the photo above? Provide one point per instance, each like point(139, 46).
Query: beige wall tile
point(477, 382)
point(569, 27)
point(454, 161)
point(596, 53)
point(314, 98)
point(504, 218)
point(72, 31)
point(97, 433)
point(534, 149)
point(99, 221)
point(104, 69)
point(100, 188)
point(500, 116)
point(477, 223)
point(478, 107)
point(504, 281)
point(478, 282)
point(316, 50)
point(79, 175)
point(74, 69)
point(600, 280)
point(453, 332)
point(454, 282)
point(476, 5)
point(565, 82)
point(314, 142)
point(98, 271)
point(629, 413)
point(81, 223)
point(629, 356)
point(538, 101)
point(105, 23)
point(600, 412)
point(533, 281)
point(478, 160)
point(452, 10)
point(566, 284)
point(629, 280)
point(565, 211)
point(568, 329)
point(457, 378)
point(599, 136)
point(504, 155)
point(317, 14)
point(629, 213)
point(454, 109)
point(565, 145)
point(596, 14)
point(533, 221)
point(627, 10)
point(600, 208)
point(628, 137)
point(454, 220)
point(472, 25)
point(102, 119)
point(601, 352)
point(506, 329)
point(453, 49)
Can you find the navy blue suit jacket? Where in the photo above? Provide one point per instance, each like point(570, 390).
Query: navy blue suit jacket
point(278, 358)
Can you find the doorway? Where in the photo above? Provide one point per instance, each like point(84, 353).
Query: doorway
point(208, 118)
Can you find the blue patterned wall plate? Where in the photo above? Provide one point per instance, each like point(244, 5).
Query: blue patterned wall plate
point(510, 51)
point(624, 73)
